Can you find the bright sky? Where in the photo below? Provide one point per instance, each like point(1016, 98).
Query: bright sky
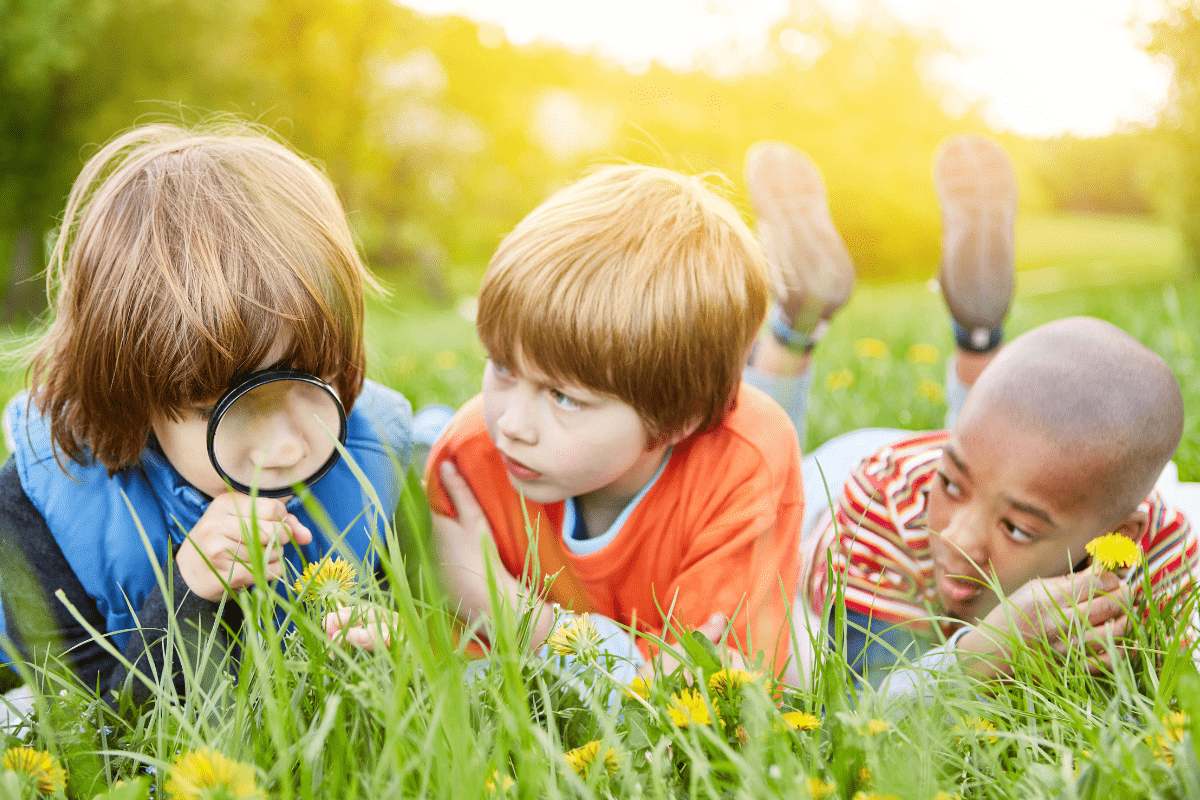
point(1043, 67)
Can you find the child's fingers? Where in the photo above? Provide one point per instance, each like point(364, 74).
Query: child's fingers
point(245, 507)
point(275, 566)
point(334, 621)
point(361, 637)
point(239, 577)
point(283, 531)
point(1102, 608)
point(465, 504)
point(714, 629)
point(358, 626)
point(301, 535)
point(1093, 581)
point(735, 660)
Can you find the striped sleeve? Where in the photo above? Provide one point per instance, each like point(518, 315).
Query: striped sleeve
point(877, 544)
point(1171, 548)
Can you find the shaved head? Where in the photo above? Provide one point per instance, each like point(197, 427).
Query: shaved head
point(1093, 390)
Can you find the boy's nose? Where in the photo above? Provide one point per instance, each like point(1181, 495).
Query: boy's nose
point(283, 446)
point(516, 420)
point(967, 538)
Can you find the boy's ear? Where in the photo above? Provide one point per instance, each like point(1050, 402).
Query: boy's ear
point(683, 434)
point(1134, 526)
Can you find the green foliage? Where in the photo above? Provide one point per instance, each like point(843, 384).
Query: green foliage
point(74, 72)
point(1114, 174)
point(1178, 38)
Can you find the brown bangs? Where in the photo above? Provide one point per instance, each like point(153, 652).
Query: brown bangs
point(182, 261)
point(636, 282)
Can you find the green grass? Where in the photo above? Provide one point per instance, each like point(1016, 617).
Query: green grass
point(1070, 251)
point(308, 718)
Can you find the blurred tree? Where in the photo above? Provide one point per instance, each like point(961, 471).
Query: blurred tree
point(74, 72)
point(1178, 38)
point(1113, 174)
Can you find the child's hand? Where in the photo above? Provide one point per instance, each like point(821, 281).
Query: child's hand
point(361, 626)
point(463, 545)
point(218, 537)
point(1049, 611)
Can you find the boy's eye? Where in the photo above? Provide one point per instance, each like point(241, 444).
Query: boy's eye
point(500, 369)
point(205, 412)
point(952, 489)
point(563, 401)
point(1016, 534)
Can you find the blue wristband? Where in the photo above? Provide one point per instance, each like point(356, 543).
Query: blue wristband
point(791, 339)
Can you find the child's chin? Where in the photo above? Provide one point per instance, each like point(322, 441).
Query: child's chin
point(535, 492)
point(972, 611)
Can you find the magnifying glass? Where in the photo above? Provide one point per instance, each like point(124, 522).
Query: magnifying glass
point(272, 431)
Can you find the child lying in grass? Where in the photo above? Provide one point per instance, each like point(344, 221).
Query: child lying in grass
point(189, 263)
point(1060, 439)
point(617, 316)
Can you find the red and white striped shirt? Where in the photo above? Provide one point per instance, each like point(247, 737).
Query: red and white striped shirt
point(880, 546)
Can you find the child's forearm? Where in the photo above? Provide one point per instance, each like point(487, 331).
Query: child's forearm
point(464, 565)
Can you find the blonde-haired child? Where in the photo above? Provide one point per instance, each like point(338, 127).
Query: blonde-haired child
point(664, 494)
point(187, 262)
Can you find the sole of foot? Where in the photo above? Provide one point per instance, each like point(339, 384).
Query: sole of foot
point(977, 191)
point(810, 265)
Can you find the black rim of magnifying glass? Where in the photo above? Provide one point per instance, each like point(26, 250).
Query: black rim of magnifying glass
point(251, 382)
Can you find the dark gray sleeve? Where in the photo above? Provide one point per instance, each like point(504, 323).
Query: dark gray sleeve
point(33, 568)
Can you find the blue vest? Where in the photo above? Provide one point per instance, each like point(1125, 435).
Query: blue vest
point(87, 513)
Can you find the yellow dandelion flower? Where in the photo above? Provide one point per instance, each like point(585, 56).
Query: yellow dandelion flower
point(931, 390)
point(877, 726)
point(799, 721)
point(1174, 726)
point(688, 708)
point(871, 348)
point(39, 765)
point(1175, 722)
point(581, 758)
point(503, 782)
point(202, 773)
point(326, 581)
point(446, 360)
point(639, 687)
point(730, 681)
point(1113, 550)
point(976, 727)
point(922, 353)
point(874, 796)
point(839, 379)
point(578, 637)
point(946, 796)
point(865, 777)
point(1075, 763)
point(818, 789)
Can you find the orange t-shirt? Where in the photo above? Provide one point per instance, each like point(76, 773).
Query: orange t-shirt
point(717, 532)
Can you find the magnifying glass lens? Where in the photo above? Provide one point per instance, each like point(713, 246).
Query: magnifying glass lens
point(276, 434)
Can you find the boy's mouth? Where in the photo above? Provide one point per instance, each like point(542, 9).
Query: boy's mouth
point(519, 470)
point(959, 588)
